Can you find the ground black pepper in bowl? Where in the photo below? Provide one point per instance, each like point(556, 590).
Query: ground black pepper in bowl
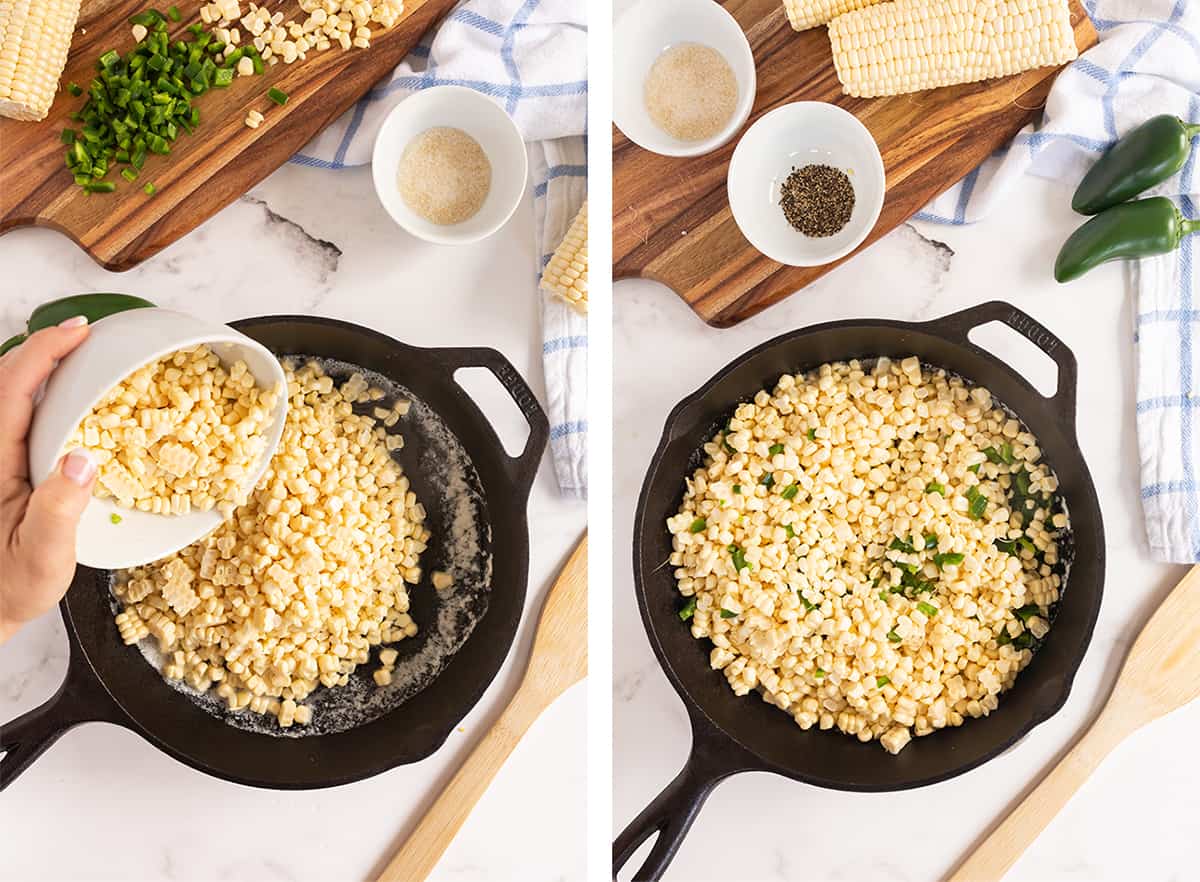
point(817, 200)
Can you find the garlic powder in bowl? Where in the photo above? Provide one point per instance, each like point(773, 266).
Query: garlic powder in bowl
point(691, 92)
point(444, 175)
point(684, 78)
point(449, 165)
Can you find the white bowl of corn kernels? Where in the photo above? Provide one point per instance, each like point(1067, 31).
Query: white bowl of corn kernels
point(449, 165)
point(684, 77)
point(182, 416)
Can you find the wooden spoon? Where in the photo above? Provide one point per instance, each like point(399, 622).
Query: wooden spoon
point(1161, 673)
point(558, 661)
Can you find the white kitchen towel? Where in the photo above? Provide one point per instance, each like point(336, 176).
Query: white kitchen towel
point(1147, 63)
point(530, 56)
point(559, 170)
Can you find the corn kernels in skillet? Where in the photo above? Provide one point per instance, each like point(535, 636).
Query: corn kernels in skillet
point(177, 434)
point(308, 575)
point(871, 548)
point(131, 626)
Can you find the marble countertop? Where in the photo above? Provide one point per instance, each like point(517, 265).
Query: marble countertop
point(1136, 818)
point(104, 804)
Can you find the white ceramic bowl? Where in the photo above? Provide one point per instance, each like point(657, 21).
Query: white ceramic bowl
point(799, 134)
point(460, 108)
point(642, 34)
point(116, 347)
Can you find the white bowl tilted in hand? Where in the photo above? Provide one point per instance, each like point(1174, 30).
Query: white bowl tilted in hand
point(796, 135)
point(116, 347)
point(455, 107)
point(647, 30)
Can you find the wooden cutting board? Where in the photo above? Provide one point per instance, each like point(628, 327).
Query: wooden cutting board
point(671, 217)
point(206, 170)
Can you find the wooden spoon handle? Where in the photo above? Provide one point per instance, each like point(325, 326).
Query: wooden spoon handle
point(558, 661)
point(996, 854)
point(424, 847)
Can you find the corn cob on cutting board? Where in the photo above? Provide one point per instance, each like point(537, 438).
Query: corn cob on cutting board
point(204, 171)
point(671, 216)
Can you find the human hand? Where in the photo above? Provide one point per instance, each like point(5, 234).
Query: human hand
point(37, 527)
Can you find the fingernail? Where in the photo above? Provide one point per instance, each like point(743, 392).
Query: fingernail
point(76, 322)
point(78, 466)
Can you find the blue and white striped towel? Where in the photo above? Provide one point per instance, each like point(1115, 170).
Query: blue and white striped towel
point(1147, 62)
point(559, 168)
point(530, 56)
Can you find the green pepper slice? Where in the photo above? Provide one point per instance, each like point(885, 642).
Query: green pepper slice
point(1145, 156)
point(1131, 230)
point(93, 306)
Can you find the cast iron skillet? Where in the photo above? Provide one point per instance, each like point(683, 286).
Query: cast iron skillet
point(109, 682)
point(731, 734)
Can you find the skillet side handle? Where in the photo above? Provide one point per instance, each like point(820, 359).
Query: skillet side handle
point(524, 467)
point(960, 324)
point(80, 699)
point(672, 812)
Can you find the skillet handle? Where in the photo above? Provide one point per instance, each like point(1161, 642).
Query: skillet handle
point(523, 467)
point(80, 699)
point(672, 812)
point(959, 324)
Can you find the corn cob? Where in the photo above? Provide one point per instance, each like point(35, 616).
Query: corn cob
point(911, 45)
point(35, 36)
point(566, 274)
point(805, 14)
